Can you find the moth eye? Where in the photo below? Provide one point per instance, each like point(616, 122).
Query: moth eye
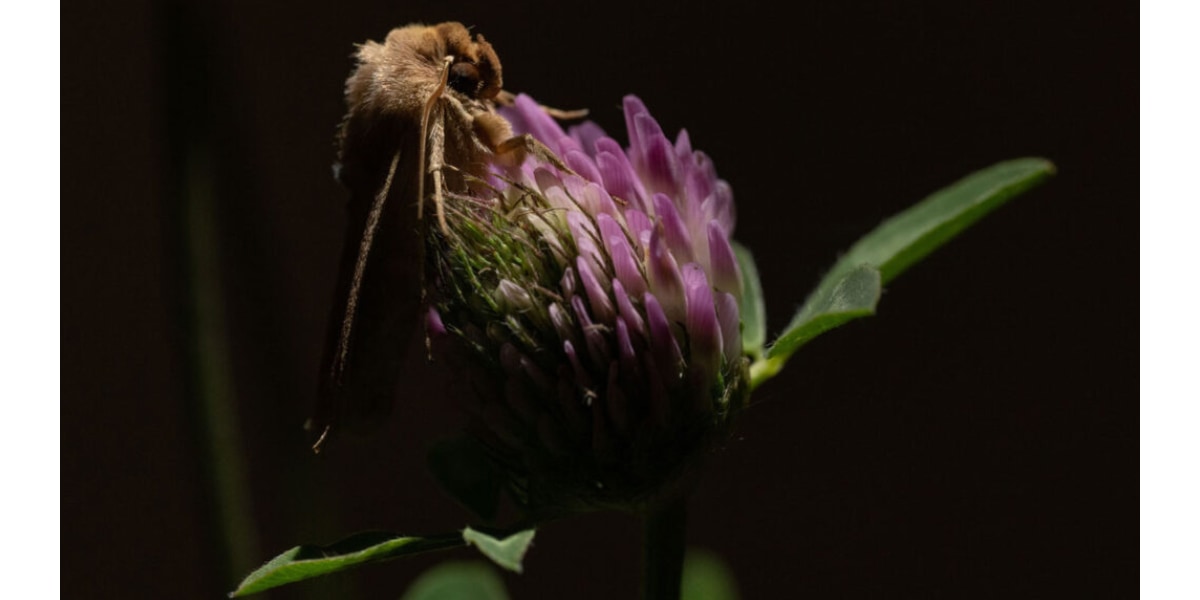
point(464, 79)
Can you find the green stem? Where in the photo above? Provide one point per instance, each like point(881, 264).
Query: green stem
point(666, 533)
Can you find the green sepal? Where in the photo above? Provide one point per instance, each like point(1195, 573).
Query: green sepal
point(754, 313)
point(507, 552)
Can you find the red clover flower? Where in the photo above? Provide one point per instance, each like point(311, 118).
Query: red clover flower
point(597, 312)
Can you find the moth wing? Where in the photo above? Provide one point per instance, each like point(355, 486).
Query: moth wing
point(377, 305)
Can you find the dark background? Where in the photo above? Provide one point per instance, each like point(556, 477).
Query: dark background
point(977, 438)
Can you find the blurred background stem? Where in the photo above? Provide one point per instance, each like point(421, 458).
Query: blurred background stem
point(214, 393)
point(666, 533)
point(196, 241)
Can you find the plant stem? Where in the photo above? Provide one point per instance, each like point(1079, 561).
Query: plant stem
point(666, 533)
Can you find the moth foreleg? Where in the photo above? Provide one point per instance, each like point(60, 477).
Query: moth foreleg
point(437, 161)
point(426, 133)
point(513, 151)
point(507, 98)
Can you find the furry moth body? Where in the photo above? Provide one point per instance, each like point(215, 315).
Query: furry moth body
point(421, 123)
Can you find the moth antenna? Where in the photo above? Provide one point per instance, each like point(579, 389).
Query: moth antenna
point(360, 266)
point(425, 112)
point(320, 443)
point(437, 155)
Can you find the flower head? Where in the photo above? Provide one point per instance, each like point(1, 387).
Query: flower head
point(598, 309)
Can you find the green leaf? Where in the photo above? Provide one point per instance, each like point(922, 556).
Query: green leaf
point(834, 303)
point(706, 577)
point(457, 580)
point(906, 238)
point(306, 562)
point(754, 313)
point(506, 552)
point(850, 291)
point(463, 469)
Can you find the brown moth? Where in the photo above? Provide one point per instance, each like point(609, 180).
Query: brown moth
point(421, 123)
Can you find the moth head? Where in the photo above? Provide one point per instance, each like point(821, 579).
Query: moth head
point(475, 70)
point(465, 79)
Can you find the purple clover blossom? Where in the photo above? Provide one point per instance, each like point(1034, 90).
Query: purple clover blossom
point(598, 310)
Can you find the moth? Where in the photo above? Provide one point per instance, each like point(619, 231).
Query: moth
point(420, 124)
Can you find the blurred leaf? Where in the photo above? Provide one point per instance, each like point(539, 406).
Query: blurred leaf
point(706, 577)
point(847, 291)
point(754, 314)
point(906, 238)
point(463, 469)
point(457, 581)
point(506, 552)
point(308, 561)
